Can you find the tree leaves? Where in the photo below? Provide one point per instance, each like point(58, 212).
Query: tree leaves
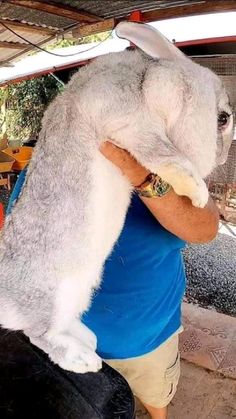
point(30, 98)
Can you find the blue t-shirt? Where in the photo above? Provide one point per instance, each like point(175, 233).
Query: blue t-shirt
point(138, 305)
point(16, 191)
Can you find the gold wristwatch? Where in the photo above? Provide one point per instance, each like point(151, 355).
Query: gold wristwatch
point(153, 187)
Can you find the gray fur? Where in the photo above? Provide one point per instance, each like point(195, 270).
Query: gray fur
point(66, 221)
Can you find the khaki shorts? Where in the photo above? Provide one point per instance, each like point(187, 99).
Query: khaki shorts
point(153, 377)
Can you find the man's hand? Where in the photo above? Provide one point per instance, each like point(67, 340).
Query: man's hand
point(126, 163)
point(176, 213)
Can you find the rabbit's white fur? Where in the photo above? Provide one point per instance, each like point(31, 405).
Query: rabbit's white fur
point(74, 201)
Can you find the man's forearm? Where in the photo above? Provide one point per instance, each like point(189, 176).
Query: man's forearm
point(174, 212)
point(177, 215)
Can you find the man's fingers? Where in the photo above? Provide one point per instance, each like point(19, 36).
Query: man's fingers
point(113, 153)
point(125, 162)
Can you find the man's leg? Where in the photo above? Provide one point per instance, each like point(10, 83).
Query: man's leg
point(155, 412)
point(153, 377)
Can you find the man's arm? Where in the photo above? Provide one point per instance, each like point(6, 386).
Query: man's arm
point(174, 212)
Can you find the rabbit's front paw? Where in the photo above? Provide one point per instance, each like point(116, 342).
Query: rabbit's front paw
point(81, 360)
point(185, 183)
point(81, 332)
point(69, 352)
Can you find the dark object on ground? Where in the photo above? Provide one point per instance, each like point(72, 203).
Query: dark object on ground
point(31, 387)
point(211, 274)
point(30, 143)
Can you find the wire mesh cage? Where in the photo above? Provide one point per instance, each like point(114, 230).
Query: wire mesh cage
point(222, 181)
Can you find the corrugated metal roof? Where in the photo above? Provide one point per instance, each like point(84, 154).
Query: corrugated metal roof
point(35, 19)
point(99, 8)
point(7, 36)
point(121, 8)
point(8, 53)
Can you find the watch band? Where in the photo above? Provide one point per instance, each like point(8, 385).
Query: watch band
point(153, 186)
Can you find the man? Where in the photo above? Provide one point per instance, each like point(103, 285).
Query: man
point(136, 314)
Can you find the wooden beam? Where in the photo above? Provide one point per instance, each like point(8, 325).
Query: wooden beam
point(12, 45)
point(27, 28)
point(209, 6)
point(57, 9)
point(86, 30)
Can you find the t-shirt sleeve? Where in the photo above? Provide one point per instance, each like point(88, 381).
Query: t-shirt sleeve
point(16, 191)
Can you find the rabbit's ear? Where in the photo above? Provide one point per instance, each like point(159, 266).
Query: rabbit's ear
point(149, 40)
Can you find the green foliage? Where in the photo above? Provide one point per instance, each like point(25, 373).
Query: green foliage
point(2, 94)
point(63, 43)
point(27, 101)
point(26, 104)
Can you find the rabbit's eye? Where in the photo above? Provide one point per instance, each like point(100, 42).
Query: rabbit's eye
point(223, 119)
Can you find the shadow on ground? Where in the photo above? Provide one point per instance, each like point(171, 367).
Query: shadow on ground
point(201, 394)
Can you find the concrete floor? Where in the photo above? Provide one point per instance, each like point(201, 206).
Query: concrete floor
point(226, 228)
point(201, 395)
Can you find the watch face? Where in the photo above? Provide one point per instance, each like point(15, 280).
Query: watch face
point(161, 187)
point(154, 187)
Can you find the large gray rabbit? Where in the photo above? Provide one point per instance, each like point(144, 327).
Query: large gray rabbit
point(171, 114)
